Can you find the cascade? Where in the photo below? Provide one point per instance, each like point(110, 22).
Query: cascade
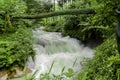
point(64, 52)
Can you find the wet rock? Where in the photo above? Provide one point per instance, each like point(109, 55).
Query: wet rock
point(4, 75)
point(27, 70)
point(16, 72)
point(21, 72)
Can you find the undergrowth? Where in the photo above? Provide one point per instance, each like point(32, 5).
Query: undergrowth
point(15, 48)
point(104, 65)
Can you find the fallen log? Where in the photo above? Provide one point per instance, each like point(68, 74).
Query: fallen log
point(56, 13)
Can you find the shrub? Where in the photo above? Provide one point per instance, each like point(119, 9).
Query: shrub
point(105, 63)
point(15, 48)
point(8, 8)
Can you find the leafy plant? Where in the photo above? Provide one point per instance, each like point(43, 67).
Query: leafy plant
point(49, 76)
point(104, 65)
point(8, 8)
point(15, 48)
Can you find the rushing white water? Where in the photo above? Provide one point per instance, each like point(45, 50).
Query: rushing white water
point(64, 51)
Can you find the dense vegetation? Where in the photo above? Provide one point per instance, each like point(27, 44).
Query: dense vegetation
point(104, 65)
point(88, 26)
point(15, 48)
point(16, 35)
point(99, 26)
point(15, 39)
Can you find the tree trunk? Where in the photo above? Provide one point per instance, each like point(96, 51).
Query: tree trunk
point(56, 13)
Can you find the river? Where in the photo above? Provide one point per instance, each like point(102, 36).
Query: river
point(64, 51)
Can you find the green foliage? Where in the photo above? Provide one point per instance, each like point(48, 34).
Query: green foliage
point(34, 7)
point(47, 76)
point(105, 15)
point(15, 48)
point(69, 74)
point(13, 7)
point(100, 25)
point(80, 4)
point(8, 8)
point(105, 63)
point(74, 25)
point(37, 7)
point(71, 27)
point(105, 12)
point(55, 26)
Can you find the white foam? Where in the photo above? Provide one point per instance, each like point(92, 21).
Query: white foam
point(51, 46)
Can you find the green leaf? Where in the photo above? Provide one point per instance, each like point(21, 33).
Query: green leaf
point(2, 50)
point(70, 73)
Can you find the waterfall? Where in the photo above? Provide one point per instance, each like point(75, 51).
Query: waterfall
point(63, 51)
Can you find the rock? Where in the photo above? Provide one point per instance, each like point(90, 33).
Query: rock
point(16, 72)
point(4, 75)
point(27, 70)
point(19, 72)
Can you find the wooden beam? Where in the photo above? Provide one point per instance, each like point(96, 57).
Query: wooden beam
point(56, 13)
